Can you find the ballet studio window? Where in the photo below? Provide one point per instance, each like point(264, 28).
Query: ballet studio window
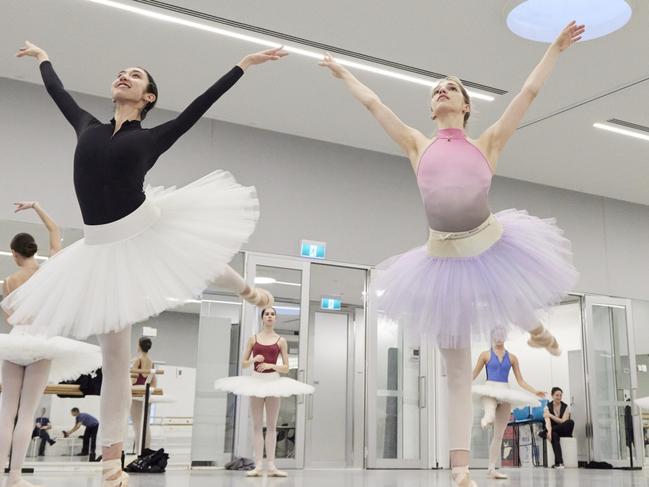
point(542, 20)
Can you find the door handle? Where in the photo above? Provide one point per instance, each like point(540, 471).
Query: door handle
point(423, 392)
point(310, 407)
point(300, 377)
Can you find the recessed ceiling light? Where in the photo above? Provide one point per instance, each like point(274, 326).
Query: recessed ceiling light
point(621, 131)
point(543, 20)
point(269, 44)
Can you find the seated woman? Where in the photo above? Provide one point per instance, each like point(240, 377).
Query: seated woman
point(558, 424)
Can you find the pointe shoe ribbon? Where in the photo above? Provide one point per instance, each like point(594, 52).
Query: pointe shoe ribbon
point(111, 468)
point(258, 296)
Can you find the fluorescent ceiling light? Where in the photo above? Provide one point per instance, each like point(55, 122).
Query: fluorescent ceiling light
point(269, 44)
point(543, 20)
point(284, 283)
point(621, 131)
point(9, 254)
point(198, 301)
point(270, 280)
point(265, 280)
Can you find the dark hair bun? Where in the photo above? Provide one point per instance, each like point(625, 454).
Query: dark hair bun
point(24, 244)
point(145, 344)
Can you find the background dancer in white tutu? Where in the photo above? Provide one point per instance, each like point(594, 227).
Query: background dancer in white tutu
point(498, 398)
point(29, 361)
point(265, 387)
point(479, 272)
point(142, 251)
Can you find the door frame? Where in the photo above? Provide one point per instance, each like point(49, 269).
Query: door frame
point(589, 302)
point(427, 387)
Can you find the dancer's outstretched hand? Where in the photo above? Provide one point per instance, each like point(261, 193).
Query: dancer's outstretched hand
point(261, 57)
point(540, 394)
point(569, 35)
point(336, 69)
point(32, 50)
point(24, 205)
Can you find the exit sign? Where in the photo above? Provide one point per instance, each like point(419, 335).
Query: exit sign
point(313, 250)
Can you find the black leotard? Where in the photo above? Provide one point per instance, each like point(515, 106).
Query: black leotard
point(109, 169)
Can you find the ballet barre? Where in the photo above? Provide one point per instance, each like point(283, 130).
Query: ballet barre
point(147, 372)
point(74, 390)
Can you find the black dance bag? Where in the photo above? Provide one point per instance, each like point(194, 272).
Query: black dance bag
point(151, 461)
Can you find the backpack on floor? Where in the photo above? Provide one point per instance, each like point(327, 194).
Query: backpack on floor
point(151, 461)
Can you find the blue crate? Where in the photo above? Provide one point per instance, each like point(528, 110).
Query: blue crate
point(521, 414)
point(537, 412)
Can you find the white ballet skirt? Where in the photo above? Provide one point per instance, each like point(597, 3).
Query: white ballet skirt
point(162, 254)
point(503, 392)
point(70, 358)
point(263, 385)
point(642, 402)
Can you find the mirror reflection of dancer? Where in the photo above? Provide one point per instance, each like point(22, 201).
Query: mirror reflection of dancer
point(143, 251)
point(498, 399)
point(29, 361)
point(265, 388)
point(478, 272)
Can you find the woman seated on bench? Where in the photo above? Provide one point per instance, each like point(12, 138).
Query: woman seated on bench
point(558, 424)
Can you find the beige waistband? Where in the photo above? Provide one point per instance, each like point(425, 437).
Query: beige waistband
point(465, 244)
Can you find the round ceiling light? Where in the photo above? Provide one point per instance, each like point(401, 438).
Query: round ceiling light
point(543, 20)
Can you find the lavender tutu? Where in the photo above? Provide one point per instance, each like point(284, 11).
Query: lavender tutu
point(455, 299)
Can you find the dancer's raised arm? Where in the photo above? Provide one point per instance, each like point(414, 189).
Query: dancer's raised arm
point(75, 115)
point(52, 228)
point(409, 139)
point(496, 136)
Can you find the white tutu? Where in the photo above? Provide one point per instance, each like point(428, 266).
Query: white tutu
point(263, 385)
point(70, 358)
point(502, 392)
point(120, 273)
point(642, 402)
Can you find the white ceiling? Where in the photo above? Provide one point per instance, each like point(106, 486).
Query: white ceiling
point(89, 43)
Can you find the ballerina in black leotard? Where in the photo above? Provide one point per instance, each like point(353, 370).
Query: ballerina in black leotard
point(143, 251)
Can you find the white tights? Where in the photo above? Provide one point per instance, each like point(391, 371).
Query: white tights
point(231, 280)
point(115, 400)
point(497, 413)
point(257, 405)
point(22, 389)
point(460, 404)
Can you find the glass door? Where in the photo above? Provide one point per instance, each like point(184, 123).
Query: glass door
point(288, 280)
point(336, 367)
point(397, 392)
point(612, 381)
